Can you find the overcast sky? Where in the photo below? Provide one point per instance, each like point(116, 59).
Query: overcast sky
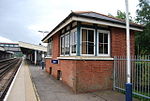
point(20, 20)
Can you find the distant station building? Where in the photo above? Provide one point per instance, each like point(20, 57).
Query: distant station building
point(12, 47)
point(82, 47)
point(34, 53)
point(5, 54)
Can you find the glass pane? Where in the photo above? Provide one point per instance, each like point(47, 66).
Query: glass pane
point(50, 48)
point(100, 37)
point(75, 37)
point(90, 48)
point(105, 48)
point(62, 45)
point(90, 35)
point(73, 49)
point(71, 40)
point(67, 44)
point(84, 35)
point(67, 50)
point(62, 51)
point(100, 48)
point(84, 48)
point(105, 38)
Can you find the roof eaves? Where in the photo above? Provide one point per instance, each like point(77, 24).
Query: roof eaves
point(78, 14)
point(118, 22)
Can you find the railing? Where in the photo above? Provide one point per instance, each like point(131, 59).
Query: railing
point(140, 75)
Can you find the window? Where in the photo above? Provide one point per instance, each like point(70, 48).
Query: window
point(1, 44)
point(87, 41)
point(68, 42)
point(11, 45)
point(49, 48)
point(73, 42)
point(65, 44)
point(62, 45)
point(103, 43)
point(6, 45)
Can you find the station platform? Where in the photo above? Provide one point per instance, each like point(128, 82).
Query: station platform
point(40, 86)
point(22, 88)
point(50, 89)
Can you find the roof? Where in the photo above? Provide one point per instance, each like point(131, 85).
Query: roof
point(96, 15)
point(92, 17)
point(32, 46)
point(5, 51)
point(8, 43)
point(2, 49)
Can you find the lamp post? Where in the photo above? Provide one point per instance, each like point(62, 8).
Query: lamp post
point(128, 84)
point(42, 62)
point(43, 32)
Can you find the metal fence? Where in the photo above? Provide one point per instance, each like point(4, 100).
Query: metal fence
point(140, 75)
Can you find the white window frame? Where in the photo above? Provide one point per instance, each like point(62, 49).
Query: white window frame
point(103, 31)
point(81, 42)
point(48, 48)
point(60, 45)
point(63, 35)
point(72, 31)
point(67, 33)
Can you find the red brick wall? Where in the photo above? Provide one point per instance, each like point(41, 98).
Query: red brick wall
point(83, 76)
point(118, 42)
point(56, 45)
point(94, 75)
point(68, 71)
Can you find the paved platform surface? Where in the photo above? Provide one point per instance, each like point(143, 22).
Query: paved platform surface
point(22, 89)
point(50, 89)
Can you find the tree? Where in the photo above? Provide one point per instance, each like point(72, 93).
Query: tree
point(121, 15)
point(143, 38)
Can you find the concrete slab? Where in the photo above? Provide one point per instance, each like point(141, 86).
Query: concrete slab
point(50, 89)
point(22, 89)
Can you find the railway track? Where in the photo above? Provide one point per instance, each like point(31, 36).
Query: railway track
point(8, 69)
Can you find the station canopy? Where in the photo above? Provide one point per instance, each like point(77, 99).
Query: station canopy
point(29, 48)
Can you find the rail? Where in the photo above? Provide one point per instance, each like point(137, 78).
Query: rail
point(8, 68)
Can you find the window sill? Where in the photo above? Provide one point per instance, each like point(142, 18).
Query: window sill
point(84, 58)
point(48, 57)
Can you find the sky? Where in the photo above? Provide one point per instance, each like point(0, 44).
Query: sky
point(20, 20)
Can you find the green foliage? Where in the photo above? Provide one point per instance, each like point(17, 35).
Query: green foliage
point(18, 54)
point(143, 13)
point(143, 38)
point(121, 15)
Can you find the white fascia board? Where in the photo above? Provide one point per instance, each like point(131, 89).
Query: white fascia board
point(103, 23)
point(59, 28)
